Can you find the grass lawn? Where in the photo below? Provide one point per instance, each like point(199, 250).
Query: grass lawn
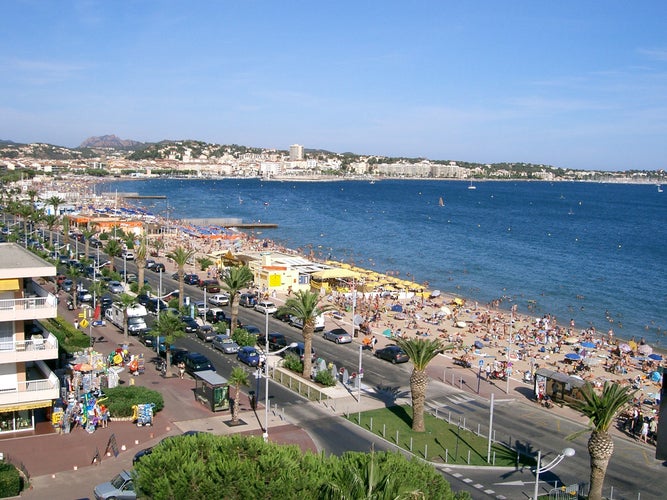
point(442, 442)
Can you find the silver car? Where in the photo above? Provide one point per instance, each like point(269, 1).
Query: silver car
point(120, 487)
point(206, 333)
point(338, 335)
point(225, 344)
point(116, 287)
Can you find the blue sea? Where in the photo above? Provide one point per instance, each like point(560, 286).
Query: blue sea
point(592, 252)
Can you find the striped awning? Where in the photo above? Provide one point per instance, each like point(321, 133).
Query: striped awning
point(26, 406)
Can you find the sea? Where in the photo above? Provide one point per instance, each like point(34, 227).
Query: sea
point(594, 253)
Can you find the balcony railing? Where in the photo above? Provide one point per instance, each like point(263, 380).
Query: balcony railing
point(12, 351)
point(29, 308)
point(32, 390)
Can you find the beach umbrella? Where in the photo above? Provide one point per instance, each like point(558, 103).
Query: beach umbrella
point(655, 357)
point(397, 308)
point(624, 347)
point(572, 356)
point(435, 293)
point(645, 349)
point(633, 345)
point(83, 367)
point(588, 345)
point(655, 377)
point(445, 310)
point(478, 344)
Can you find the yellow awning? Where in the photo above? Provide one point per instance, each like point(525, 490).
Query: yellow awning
point(335, 273)
point(11, 284)
point(26, 406)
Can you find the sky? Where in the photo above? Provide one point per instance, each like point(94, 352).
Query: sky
point(573, 84)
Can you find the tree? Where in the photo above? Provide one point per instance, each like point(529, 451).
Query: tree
point(237, 379)
point(421, 352)
point(50, 221)
point(233, 282)
point(304, 305)
point(55, 202)
point(74, 274)
point(601, 409)
point(87, 234)
point(126, 301)
point(140, 260)
point(205, 263)
point(169, 327)
point(181, 256)
point(113, 250)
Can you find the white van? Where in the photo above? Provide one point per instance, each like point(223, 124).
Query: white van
point(319, 323)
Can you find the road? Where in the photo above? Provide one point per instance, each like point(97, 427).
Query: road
point(631, 471)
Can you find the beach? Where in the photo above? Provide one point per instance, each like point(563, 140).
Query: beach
point(504, 339)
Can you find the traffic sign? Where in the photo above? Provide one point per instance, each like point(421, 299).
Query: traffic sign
point(84, 323)
point(481, 362)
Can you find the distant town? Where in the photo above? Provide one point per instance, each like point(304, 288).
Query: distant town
point(111, 156)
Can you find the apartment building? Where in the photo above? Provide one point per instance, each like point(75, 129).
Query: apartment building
point(27, 384)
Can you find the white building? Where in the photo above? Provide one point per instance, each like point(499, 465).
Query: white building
point(26, 382)
point(296, 152)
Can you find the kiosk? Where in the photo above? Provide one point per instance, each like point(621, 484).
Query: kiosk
point(212, 390)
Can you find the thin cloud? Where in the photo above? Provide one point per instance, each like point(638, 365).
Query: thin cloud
point(654, 54)
point(39, 72)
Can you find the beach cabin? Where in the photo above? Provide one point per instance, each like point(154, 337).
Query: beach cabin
point(560, 387)
point(212, 390)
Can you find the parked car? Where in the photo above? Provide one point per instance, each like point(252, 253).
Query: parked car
point(177, 354)
point(392, 353)
point(282, 316)
point(276, 341)
point(150, 263)
point(154, 303)
point(200, 307)
point(116, 287)
point(158, 267)
point(105, 302)
point(219, 299)
point(297, 323)
point(127, 255)
point(84, 295)
point(190, 279)
point(211, 286)
point(299, 349)
point(67, 285)
point(143, 299)
point(250, 356)
point(252, 330)
point(247, 299)
point(120, 487)
point(191, 325)
point(338, 335)
point(265, 307)
point(195, 362)
point(215, 315)
point(206, 333)
point(225, 344)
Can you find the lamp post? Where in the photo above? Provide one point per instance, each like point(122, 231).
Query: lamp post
point(265, 435)
point(567, 452)
point(124, 270)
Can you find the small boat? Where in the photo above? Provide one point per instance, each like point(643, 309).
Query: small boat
point(441, 202)
point(571, 212)
point(472, 186)
point(659, 188)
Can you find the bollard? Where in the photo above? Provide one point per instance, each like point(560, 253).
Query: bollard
point(384, 429)
point(425, 452)
point(449, 418)
point(371, 424)
point(359, 418)
point(478, 429)
point(436, 413)
point(468, 457)
point(464, 423)
point(494, 458)
point(410, 443)
point(446, 456)
point(396, 436)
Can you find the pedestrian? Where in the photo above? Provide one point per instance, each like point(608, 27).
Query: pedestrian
point(76, 324)
point(181, 369)
point(374, 341)
point(488, 371)
point(643, 433)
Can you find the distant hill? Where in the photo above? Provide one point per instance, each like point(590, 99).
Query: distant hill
point(110, 141)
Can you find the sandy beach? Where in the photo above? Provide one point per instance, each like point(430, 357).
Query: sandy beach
point(508, 342)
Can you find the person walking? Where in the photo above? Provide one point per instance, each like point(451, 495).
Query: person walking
point(643, 433)
point(374, 341)
point(181, 369)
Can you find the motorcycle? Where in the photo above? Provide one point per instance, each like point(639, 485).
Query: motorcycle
point(497, 375)
point(70, 305)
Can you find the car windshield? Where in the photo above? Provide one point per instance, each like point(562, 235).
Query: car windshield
point(118, 481)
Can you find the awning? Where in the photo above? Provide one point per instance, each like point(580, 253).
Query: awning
point(7, 285)
point(26, 406)
point(335, 273)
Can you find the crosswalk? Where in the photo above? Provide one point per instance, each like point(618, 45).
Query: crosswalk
point(449, 401)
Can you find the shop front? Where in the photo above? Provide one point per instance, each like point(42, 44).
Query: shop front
point(20, 417)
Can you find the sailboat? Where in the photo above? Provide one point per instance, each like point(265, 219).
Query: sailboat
point(441, 202)
point(472, 186)
point(659, 188)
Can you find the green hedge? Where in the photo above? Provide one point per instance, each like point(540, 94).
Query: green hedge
point(10, 480)
point(69, 338)
point(121, 400)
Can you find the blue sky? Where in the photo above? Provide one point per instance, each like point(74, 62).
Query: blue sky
point(575, 84)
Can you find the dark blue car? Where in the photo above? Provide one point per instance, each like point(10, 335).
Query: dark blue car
point(250, 356)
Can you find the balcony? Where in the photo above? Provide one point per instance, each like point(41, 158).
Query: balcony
point(38, 303)
point(29, 350)
point(33, 390)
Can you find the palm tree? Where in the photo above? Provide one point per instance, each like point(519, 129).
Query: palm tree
point(180, 256)
point(233, 282)
point(601, 409)
point(140, 261)
point(74, 274)
point(55, 202)
point(421, 352)
point(87, 234)
point(363, 479)
point(126, 302)
point(113, 250)
point(304, 305)
point(50, 220)
point(237, 379)
point(170, 328)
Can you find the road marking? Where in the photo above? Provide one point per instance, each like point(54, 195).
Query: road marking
point(467, 480)
point(478, 486)
point(489, 492)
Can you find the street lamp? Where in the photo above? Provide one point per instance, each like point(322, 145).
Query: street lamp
point(567, 452)
point(265, 435)
point(124, 270)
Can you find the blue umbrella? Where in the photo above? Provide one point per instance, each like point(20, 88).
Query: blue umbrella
point(572, 356)
point(655, 357)
point(478, 344)
point(588, 345)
